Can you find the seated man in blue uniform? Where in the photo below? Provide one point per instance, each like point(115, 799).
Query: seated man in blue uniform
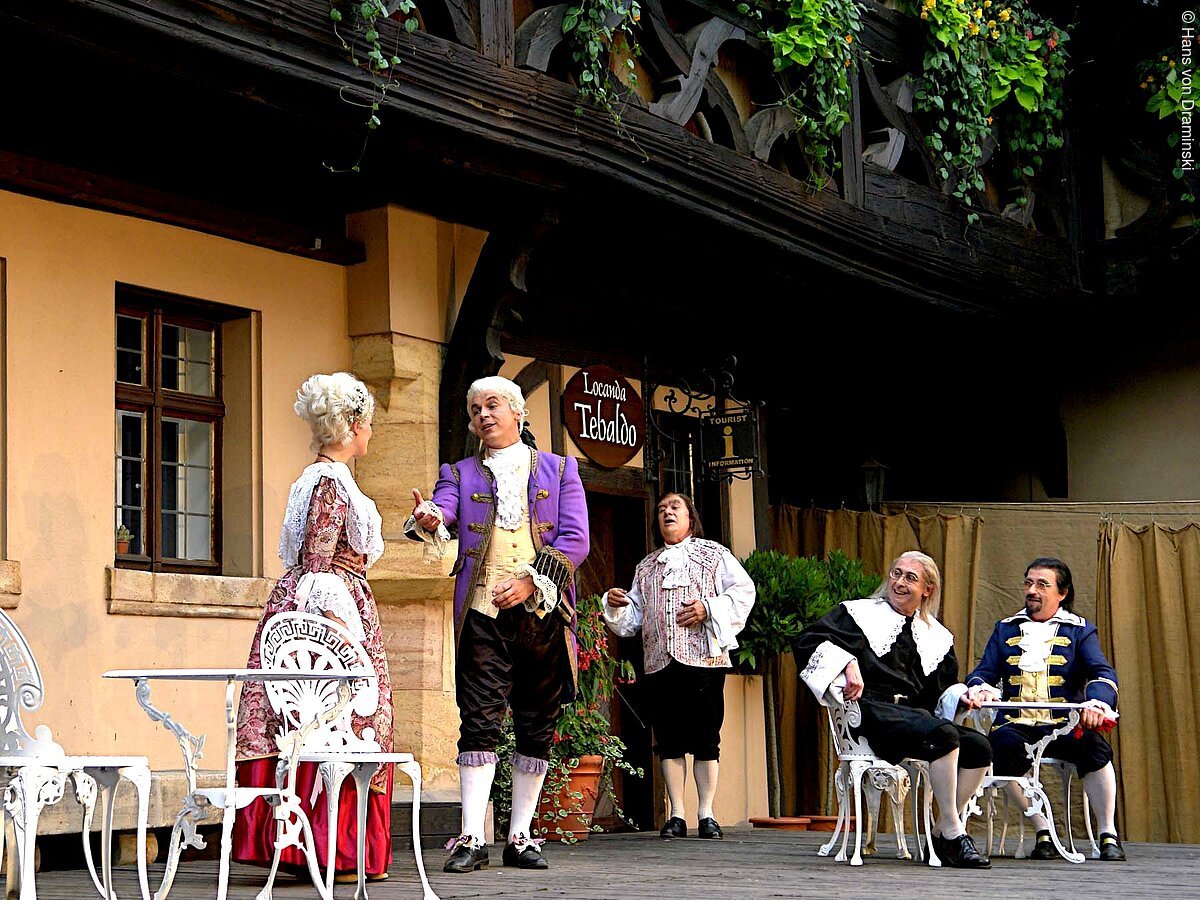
point(1047, 652)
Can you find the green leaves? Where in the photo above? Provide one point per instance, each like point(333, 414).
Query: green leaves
point(792, 593)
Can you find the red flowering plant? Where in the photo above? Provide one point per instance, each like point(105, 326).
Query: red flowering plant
point(583, 730)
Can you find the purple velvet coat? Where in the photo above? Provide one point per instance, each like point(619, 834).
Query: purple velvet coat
point(558, 521)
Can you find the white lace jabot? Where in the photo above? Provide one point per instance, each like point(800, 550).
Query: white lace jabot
point(364, 525)
point(882, 625)
point(675, 558)
point(510, 467)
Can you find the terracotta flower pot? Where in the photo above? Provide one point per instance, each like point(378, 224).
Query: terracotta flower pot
point(122, 547)
point(584, 779)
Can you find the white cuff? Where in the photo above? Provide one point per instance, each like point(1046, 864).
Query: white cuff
point(436, 541)
point(321, 592)
point(826, 663)
point(547, 593)
point(1109, 712)
point(947, 705)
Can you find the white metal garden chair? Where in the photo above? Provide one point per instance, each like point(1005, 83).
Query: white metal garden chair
point(858, 769)
point(307, 642)
point(1031, 785)
point(34, 771)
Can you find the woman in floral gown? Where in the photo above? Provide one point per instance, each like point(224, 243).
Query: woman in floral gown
point(331, 534)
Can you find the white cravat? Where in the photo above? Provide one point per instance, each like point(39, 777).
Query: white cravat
point(510, 467)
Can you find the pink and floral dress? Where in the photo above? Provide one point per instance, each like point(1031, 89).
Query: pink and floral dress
point(325, 549)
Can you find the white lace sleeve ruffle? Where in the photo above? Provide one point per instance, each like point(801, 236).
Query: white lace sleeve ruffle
point(364, 525)
point(435, 542)
point(545, 596)
point(322, 592)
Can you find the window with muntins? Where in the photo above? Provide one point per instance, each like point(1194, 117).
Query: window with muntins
point(169, 415)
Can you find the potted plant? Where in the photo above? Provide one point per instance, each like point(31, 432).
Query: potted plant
point(124, 538)
point(586, 753)
point(791, 593)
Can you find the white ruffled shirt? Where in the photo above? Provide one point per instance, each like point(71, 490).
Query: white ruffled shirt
point(318, 592)
point(510, 467)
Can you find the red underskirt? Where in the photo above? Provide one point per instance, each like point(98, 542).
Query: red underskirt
point(254, 828)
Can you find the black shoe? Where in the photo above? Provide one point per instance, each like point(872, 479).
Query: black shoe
point(524, 854)
point(1111, 849)
point(674, 828)
point(960, 852)
point(466, 855)
point(709, 829)
point(1044, 847)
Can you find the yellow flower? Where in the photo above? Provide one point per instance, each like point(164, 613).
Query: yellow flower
point(1143, 85)
point(1005, 15)
point(973, 28)
point(992, 24)
point(1150, 78)
point(1171, 64)
point(987, 4)
point(1164, 59)
point(849, 39)
point(995, 35)
point(989, 120)
point(924, 14)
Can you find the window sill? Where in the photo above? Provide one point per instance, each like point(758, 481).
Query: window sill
point(10, 583)
point(137, 593)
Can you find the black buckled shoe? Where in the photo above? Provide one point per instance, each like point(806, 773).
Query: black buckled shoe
point(1111, 849)
point(675, 828)
point(466, 855)
point(1043, 847)
point(523, 853)
point(709, 828)
point(960, 852)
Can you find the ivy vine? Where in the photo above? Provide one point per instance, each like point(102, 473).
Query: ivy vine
point(818, 36)
point(594, 30)
point(985, 60)
point(1159, 77)
point(356, 25)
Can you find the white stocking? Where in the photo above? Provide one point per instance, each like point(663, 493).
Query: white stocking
point(705, 773)
point(526, 788)
point(476, 784)
point(969, 781)
point(674, 775)
point(943, 775)
point(1101, 788)
point(1017, 793)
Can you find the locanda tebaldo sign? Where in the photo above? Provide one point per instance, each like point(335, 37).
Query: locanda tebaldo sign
point(604, 415)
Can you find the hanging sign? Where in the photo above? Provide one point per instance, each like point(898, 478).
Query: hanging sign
point(604, 415)
point(729, 442)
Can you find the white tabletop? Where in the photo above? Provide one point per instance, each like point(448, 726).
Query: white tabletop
point(238, 674)
point(1031, 704)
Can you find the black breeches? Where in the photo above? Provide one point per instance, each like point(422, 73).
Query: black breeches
point(1089, 752)
point(687, 709)
point(515, 660)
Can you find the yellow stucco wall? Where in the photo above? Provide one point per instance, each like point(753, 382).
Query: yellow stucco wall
point(62, 265)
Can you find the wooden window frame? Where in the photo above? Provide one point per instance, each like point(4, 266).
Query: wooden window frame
point(154, 401)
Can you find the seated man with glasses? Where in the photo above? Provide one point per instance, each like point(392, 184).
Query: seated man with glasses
point(1047, 652)
point(890, 653)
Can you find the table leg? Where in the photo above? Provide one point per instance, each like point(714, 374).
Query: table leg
point(362, 786)
point(230, 810)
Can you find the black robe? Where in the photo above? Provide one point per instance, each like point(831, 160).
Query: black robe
point(898, 698)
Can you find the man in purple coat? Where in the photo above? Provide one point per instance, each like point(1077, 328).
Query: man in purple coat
point(522, 526)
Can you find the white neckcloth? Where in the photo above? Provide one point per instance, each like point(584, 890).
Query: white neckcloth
point(510, 467)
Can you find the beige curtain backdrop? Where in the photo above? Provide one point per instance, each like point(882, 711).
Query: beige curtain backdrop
point(1148, 612)
point(953, 540)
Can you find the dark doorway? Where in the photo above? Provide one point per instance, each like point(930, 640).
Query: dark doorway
point(618, 542)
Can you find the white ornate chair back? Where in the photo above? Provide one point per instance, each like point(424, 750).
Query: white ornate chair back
point(310, 643)
point(844, 715)
point(20, 689)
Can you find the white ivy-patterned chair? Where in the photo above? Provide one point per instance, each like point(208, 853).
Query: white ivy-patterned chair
point(860, 770)
point(34, 771)
point(311, 643)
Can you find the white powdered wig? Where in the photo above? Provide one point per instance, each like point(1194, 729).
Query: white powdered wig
point(494, 384)
point(330, 404)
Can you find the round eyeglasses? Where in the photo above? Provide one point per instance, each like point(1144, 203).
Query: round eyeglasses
point(906, 577)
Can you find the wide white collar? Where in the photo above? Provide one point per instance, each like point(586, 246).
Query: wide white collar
point(1063, 617)
point(364, 525)
point(882, 625)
